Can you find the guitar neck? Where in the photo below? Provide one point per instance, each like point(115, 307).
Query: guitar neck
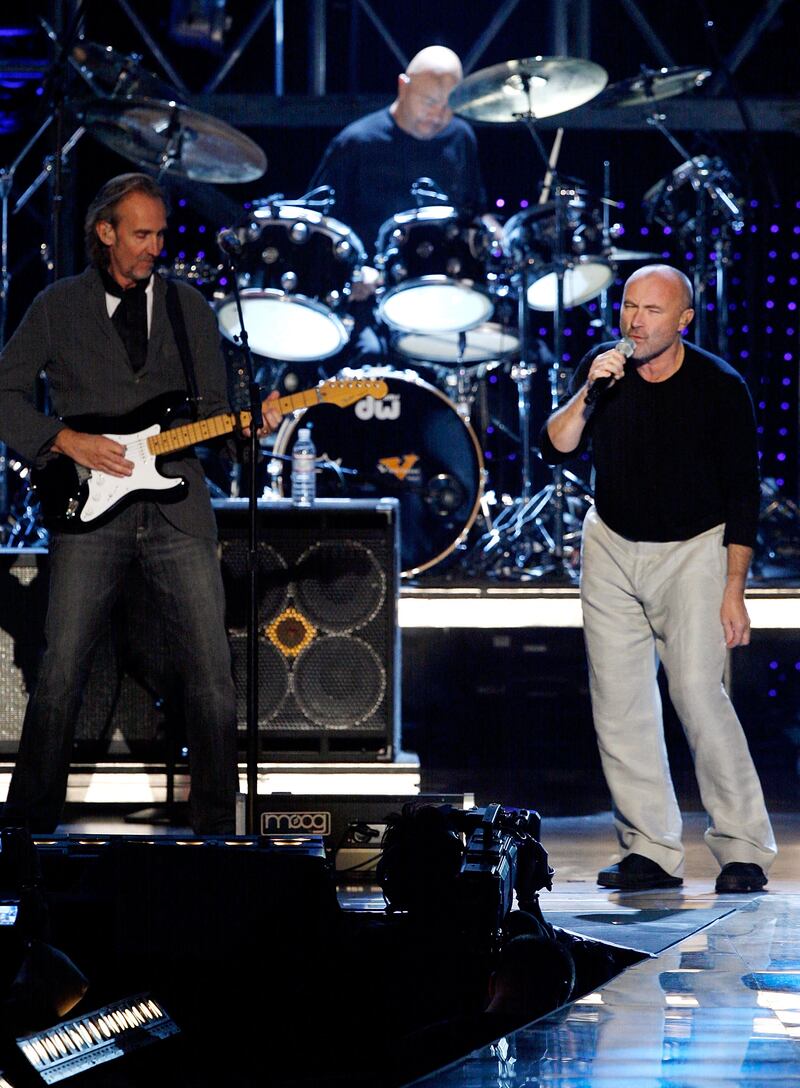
point(203, 430)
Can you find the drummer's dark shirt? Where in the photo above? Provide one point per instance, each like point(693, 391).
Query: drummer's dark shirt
point(673, 458)
point(373, 163)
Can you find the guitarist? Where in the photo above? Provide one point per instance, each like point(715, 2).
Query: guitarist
point(107, 345)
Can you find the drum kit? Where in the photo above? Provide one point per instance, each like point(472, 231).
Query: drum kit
point(454, 299)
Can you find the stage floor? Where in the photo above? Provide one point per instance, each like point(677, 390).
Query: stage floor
point(715, 1002)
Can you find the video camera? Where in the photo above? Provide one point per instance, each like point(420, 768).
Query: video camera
point(470, 860)
point(503, 855)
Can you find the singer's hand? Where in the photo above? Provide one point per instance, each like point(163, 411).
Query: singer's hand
point(611, 364)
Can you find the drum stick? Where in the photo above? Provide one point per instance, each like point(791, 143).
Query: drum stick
point(548, 178)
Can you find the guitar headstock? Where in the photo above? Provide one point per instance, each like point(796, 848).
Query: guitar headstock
point(346, 391)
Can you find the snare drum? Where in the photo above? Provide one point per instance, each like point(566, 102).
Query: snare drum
point(411, 445)
point(295, 275)
point(487, 343)
point(433, 261)
point(531, 240)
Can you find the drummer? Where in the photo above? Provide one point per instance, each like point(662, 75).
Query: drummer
point(372, 164)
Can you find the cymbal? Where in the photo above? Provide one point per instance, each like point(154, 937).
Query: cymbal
point(535, 87)
point(614, 254)
point(170, 137)
point(653, 84)
point(119, 74)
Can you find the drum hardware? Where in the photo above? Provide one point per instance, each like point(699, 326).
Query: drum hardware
point(652, 85)
point(528, 537)
point(296, 272)
point(424, 190)
point(712, 202)
point(433, 263)
point(532, 88)
point(708, 180)
point(109, 72)
point(173, 139)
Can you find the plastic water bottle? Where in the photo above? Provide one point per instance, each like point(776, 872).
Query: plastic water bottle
point(304, 468)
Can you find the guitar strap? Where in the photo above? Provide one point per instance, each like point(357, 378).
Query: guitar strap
point(176, 319)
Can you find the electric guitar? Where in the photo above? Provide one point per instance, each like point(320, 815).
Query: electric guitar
point(75, 499)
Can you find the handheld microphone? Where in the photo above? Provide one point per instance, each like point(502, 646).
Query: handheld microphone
point(627, 347)
point(229, 242)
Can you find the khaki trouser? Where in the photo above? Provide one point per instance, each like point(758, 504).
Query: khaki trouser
point(644, 602)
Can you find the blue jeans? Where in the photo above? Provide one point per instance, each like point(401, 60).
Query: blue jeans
point(87, 575)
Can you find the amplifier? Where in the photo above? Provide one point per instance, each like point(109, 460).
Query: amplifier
point(328, 651)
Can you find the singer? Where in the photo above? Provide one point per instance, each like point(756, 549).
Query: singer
point(109, 343)
point(665, 556)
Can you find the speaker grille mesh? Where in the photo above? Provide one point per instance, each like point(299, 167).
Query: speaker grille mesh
point(327, 656)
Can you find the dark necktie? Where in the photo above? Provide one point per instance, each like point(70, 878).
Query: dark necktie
point(130, 318)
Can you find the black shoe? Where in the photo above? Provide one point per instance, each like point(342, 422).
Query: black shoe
point(741, 876)
point(634, 873)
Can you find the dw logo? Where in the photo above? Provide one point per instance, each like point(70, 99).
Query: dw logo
point(295, 823)
point(388, 408)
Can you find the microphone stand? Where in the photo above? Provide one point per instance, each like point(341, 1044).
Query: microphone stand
point(252, 559)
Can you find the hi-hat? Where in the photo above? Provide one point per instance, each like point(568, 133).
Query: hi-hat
point(119, 74)
point(174, 139)
point(532, 88)
point(653, 84)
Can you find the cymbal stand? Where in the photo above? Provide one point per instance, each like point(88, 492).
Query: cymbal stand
point(706, 188)
point(528, 537)
point(458, 384)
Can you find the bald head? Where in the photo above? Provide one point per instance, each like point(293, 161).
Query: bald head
point(437, 60)
point(656, 309)
point(671, 276)
point(421, 108)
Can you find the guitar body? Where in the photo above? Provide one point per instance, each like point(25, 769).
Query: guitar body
point(75, 499)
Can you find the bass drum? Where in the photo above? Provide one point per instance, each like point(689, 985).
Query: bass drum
point(413, 446)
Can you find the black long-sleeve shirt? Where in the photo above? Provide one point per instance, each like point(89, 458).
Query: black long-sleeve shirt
point(372, 164)
point(673, 458)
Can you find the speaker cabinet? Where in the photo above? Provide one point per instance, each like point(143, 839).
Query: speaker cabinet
point(327, 636)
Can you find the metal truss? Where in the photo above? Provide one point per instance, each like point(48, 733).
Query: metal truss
point(569, 26)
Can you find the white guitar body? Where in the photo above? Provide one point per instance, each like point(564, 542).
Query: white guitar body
point(74, 498)
point(105, 492)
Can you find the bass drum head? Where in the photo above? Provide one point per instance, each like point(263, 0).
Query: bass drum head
point(413, 446)
point(285, 327)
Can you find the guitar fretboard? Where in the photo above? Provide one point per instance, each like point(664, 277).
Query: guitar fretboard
point(334, 392)
point(189, 434)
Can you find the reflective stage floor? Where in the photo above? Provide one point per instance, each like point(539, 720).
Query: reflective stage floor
point(715, 1002)
point(720, 1006)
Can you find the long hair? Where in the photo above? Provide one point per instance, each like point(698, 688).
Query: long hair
point(104, 209)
